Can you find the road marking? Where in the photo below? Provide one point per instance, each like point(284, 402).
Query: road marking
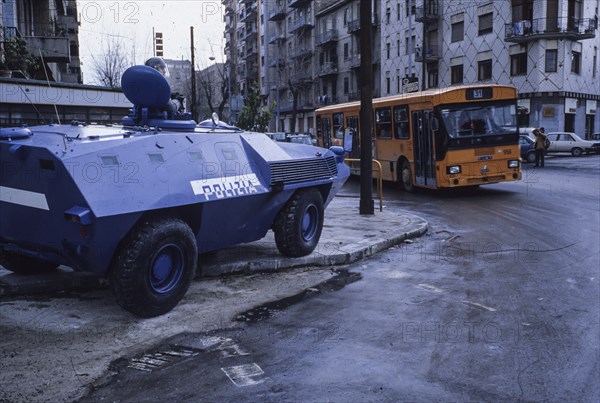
point(23, 198)
point(487, 308)
point(245, 375)
point(160, 359)
point(429, 287)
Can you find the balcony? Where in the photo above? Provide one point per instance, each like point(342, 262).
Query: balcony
point(300, 24)
point(550, 28)
point(249, 14)
point(53, 49)
point(431, 14)
point(251, 74)
point(353, 26)
point(326, 38)
point(302, 77)
point(298, 3)
point(277, 13)
point(277, 63)
point(301, 53)
point(249, 35)
point(278, 39)
point(328, 69)
point(251, 53)
point(431, 55)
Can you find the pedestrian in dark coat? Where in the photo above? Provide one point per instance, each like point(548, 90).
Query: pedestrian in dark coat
point(540, 146)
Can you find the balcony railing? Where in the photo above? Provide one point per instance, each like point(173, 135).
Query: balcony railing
point(55, 49)
point(277, 62)
point(325, 38)
point(298, 3)
point(278, 39)
point(353, 26)
point(277, 13)
point(249, 14)
point(550, 28)
point(328, 69)
point(250, 34)
point(300, 23)
point(432, 54)
point(302, 77)
point(429, 14)
point(300, 53)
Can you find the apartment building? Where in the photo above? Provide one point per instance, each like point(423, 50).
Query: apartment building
point(547, 49)
point(50, 30)
point(308, 51)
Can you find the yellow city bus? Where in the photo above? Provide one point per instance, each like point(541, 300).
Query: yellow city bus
point(442, 138)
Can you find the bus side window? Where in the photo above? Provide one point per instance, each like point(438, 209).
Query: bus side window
point(338, 125)
point(401, 122)
point(383, 123)
point(319, 128)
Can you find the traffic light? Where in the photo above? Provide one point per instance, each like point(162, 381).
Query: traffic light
point(158, 44)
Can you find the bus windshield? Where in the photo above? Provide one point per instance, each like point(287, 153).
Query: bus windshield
point(482, 119)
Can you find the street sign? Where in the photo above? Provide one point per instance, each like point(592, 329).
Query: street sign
point(410, 84)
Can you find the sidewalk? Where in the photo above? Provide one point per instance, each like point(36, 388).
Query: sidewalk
point(347, 237)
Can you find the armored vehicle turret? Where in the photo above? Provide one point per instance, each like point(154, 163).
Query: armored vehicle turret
point(139, 202)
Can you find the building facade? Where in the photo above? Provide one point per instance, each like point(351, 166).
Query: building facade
point(308, 51)
point(50, 30)
point(547, 49)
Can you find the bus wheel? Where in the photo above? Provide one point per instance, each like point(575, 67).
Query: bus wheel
point(406, 177)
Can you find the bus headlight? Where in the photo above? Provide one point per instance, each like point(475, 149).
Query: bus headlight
point(513, 163)
point(453, 170)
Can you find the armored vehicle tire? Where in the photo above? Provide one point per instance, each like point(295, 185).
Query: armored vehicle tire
point(299, 224)
point(21, 264)
point(154, 267)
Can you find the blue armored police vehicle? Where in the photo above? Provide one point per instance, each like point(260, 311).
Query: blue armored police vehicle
point(139, 202)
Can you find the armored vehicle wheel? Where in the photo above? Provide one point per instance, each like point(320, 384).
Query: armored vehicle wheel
point(21, 264)
point(154, 267)
point(299, 224)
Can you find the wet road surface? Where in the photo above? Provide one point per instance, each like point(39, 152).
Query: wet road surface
point(500, 301)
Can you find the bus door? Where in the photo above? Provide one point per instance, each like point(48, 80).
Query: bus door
point(326, 130)
point(424, 164)
point(352, 122)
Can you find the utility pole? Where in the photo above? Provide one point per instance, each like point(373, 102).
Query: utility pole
point(366, 110)
point(424, 48)
point(193, 109)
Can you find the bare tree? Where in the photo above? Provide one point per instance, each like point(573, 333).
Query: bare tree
point(109, 66)
point(214, 88)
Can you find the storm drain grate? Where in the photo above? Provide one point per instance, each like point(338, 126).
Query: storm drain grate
point(161, 359)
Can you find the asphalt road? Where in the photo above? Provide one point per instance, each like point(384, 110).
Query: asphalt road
point(500, 301)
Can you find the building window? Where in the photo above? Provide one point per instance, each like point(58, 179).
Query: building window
point(486, 23)
point(346, 52)
point(387, 50)
point(410, 48)
point(387, 15)
point(594, 62)
point(456, 74)
point(346, 17)
point(346, 85)
point(432, 75)
point(398, 47)
point(388, 84)
point(484, 69)
point(458, 31)
point(576, 62)
point(398, 12)
point(410, 7)
point(518, 64)
point(551, 60)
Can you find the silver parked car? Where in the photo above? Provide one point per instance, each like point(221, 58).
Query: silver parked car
point(564, 142)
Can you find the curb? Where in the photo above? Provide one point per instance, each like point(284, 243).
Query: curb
point(340, 255)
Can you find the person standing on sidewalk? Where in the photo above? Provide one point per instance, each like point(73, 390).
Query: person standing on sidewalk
point(540, 146)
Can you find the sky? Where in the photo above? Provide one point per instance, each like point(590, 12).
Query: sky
point(132, 23)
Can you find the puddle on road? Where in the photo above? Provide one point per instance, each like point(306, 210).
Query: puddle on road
point(265, 311)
